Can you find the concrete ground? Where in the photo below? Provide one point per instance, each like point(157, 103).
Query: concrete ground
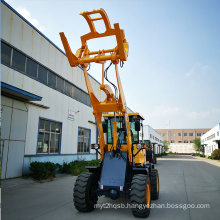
point(184, 180)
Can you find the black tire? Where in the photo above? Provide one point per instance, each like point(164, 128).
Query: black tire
point(140, 195)
point(154, 184)
point(84, 197)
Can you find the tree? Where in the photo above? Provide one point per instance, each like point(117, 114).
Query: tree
point(197, 145)
point(166, 145)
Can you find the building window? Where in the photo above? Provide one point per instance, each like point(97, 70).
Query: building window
point(172, 141)
point(5, 53)
point(18, 60)
point(77, 94)
point(179, 134)
point(23, 63)
point(199, 134)
point(52, 82)
point(190, 134)
point(84, 97)
point(42, 74)
point(211, 137)
point(179, 141)
point(172, 134)
point(185, 141)
point(49, 137)
point(31, 68)
point(60, 84)
point(83, 140)
point(185, 134)
point(88, 102)
point(164, 134)
point(191, 141)
point(68, 89)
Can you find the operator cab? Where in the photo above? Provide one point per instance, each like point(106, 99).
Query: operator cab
point(136, 128)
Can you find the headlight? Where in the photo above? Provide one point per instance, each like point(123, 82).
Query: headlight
point(139, 146)
point(94, 146)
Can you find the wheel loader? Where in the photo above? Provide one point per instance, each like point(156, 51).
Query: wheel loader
point(150, 153)
point(124, 170)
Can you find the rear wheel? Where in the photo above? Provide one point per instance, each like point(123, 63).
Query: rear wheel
point(140, 195)
point(84, 196)
point(154, 183)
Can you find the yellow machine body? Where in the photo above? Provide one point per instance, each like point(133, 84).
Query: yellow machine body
point(140, 157)
point(123, 170)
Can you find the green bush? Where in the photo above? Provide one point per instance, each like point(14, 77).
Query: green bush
point(202, 155)
point(216, 154)
point(209, 157)
point(162, 154)
point(60, 168)
point(78, 166)
point(43, 170)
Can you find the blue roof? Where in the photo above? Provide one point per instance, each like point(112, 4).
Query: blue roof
point(19, 92)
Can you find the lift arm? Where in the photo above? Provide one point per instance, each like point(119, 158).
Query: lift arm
point(84, 56)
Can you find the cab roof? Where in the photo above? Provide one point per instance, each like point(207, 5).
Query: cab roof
point(129, 114)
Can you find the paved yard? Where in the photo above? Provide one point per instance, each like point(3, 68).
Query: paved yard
point(183, 180)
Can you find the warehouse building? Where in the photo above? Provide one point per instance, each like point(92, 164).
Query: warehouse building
point(156, 139)
point(46, 109)
point(211, 140)
point(181, 140)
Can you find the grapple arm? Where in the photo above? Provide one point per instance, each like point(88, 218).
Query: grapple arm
point(84, 56)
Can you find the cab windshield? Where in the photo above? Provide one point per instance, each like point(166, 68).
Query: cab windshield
point(121, 133)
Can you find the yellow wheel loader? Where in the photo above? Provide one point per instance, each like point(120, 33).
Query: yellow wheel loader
point(124, 170)
point(150, 153)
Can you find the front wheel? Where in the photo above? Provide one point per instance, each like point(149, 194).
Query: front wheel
point(84, 196)
point(140, 195)
point(154, 183)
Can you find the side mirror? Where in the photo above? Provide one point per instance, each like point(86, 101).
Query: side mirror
point(105, 127)
point(137, 126)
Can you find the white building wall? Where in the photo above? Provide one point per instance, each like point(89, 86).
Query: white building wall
point(154, 137)
point(211, 140)
point(24, 37)
point(181, 148)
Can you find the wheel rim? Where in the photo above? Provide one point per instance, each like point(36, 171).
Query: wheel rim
point(157, 184)
point(148, 195)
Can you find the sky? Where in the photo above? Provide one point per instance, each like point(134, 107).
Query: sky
point(172, 75)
